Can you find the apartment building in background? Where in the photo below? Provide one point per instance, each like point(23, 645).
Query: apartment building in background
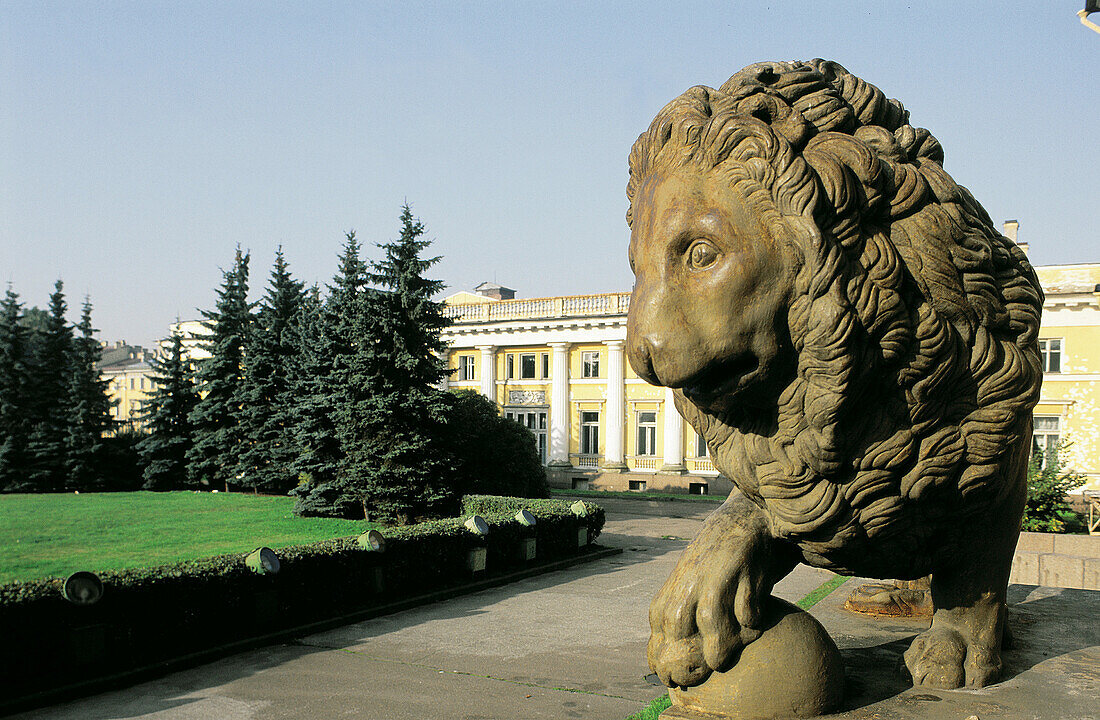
point(129, 381)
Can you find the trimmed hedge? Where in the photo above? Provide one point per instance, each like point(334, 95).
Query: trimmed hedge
point(152, 615)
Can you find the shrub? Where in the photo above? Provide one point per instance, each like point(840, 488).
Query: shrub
point(122, 466)
point(1047, 485)
point(493, 455)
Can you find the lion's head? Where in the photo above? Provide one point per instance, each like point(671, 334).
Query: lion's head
point(838, 317)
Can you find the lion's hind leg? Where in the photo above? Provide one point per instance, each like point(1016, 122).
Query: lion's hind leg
point(962, 648)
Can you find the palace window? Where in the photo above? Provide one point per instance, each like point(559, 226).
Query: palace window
point(509, 366)
point(701, 446)
point(1045, 437)
point(546, 365)
point(590, 433)
point(647, 433)
point(591, 368)
point(527, 366)
point(1051, 350)
point(466, 367)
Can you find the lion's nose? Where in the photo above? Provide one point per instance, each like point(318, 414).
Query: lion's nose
point(640, 355)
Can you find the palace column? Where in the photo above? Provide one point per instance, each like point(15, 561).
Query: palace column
point(559, 406)
point(674, 438)
point(488, 371)
point(616, 401)
point(445, 359)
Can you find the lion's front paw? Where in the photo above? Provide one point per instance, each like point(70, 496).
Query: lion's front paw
point(679, 662)
point(941, 658)
point(705, 613)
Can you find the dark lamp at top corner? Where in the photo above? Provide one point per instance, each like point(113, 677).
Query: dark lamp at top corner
point(82, 588)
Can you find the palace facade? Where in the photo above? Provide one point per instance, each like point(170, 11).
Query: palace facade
point(1068, 412)
point(557, 366)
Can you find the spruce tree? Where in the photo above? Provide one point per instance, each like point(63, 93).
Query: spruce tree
point(13, 392)
point(394, 427)
point(167, 415)
point(48, 392)
point(88, 410)
point(213, 459)
point(268, 446)
point(327, 335)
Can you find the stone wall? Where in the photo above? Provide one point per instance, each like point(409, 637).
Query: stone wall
point(1053, 560)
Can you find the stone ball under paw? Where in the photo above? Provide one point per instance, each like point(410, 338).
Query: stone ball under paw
point(793, 670)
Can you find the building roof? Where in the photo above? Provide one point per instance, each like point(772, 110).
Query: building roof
point(120, 355)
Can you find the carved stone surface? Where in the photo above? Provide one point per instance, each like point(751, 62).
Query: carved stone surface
point(856, 342)
point(900, 598)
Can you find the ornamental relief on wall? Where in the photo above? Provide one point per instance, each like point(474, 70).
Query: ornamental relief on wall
point(526, 397)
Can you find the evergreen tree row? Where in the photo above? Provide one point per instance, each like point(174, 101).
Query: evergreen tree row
point(54, 409)
point(336, 400)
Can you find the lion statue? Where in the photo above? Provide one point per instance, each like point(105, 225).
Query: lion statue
point(856, 343)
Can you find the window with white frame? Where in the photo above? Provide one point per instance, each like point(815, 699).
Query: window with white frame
point(466, 364)
point(647, 432)
point(1051, 349)
point(527, 366)
point(591, 364)
point(590, 432)
point(701, 446)
point(546, 365)
point(509, 366)
point(1045, 437)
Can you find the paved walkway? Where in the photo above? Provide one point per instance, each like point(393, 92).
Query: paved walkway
point(571, 644)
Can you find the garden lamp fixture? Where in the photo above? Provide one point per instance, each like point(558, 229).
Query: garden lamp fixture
point(263, 561)
point(372, 540)
point(83, 588)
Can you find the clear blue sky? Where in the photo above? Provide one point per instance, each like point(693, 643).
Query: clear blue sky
point(141, 142)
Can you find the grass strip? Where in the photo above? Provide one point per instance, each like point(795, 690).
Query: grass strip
point(653, 710)
point(658, 706)
point(820, 593)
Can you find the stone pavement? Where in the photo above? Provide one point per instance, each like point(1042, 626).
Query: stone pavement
point(571, 644)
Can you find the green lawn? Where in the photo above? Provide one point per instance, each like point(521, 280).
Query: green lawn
point(42, 535)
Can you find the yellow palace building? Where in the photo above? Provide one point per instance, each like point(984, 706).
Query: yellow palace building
point(1069, 405)
point(557, 365)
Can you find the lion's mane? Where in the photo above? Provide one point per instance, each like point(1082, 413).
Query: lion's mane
point(914, 320)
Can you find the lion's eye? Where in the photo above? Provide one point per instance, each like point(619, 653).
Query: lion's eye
point(702, 255)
